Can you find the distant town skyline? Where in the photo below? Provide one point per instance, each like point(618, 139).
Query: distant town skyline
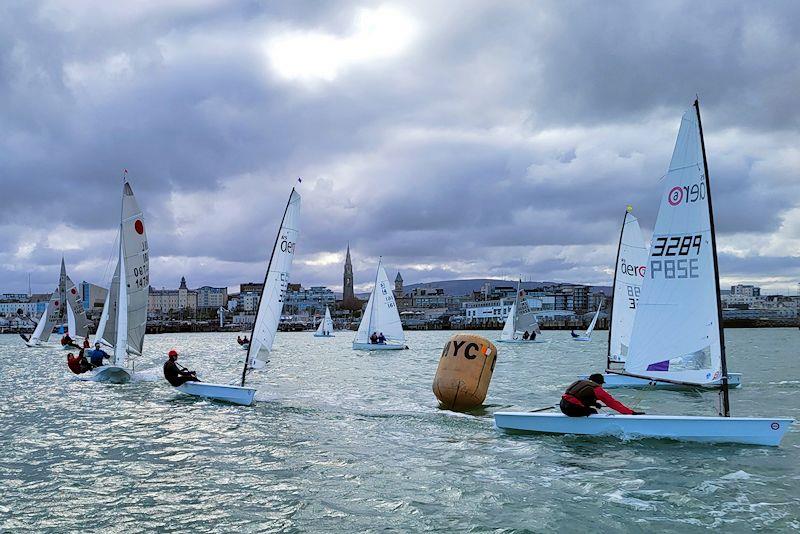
point(495, 140)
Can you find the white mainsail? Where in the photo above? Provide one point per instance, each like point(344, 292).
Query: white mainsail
point(381, 315)
point(589, 330)
point(326, 325)
point(520, 318)
point(134, 271)
point(628, 276)
point(676, 333)
point(47, 320)
point(76, 315)
point(270, 305)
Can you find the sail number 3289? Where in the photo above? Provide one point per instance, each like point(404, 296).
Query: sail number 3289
point(676, 246)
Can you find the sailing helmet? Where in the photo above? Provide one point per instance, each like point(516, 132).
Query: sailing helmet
point(173, 353)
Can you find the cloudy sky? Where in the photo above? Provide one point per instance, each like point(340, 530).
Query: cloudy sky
point(457, 139)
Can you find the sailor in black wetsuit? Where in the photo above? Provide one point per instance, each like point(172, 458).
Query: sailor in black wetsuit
point(175, 374)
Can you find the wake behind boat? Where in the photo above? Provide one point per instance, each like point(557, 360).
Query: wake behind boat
point(268, 315)
point(677, 336)
point(380, 327)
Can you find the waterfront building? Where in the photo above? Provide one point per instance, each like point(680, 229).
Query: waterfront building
point(92, 296)
point(746, 290)
point(312, 299)
point(398, 286)
point(165, 301)
point(251, 287)
point(212, 297)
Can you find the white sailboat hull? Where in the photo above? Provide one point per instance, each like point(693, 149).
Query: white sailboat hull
point(745, 430)
point(111, 374)
point(324, 335)
point(244, 346)
point(42, 345)
point(222, 392)
point(521, 341)
point(581, 338)
point(378, 346)
point(615, 381)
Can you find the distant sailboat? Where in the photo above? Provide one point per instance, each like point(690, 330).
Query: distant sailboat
point(587, 336)
point(677, 335)
point(380, 317)
point(268, 316)
point(520, 319)
point(63, 306)
point(325, 328)
point(126, 305)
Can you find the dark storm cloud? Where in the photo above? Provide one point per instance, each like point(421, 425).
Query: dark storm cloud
point(502, 140)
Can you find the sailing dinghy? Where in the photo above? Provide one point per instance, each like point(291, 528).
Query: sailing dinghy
point(677, 336)
point(64, 305)
point(126, 312)
point(325, 328)
point(587, 336)
point(520, 319)
point(628, 276)
point(268, 315)
point(380, 316)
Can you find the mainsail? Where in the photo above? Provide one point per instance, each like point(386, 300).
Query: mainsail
point(48, 319)
point(594, 320)
point(326, 325)
point(276, 279)
point(628, 276)
point(381, 315)
point(677, 333)
point(134, 271)
point(120, 356)
point(520, 318)
point(78, 322)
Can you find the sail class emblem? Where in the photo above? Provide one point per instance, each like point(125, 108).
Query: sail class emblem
point(139, 226)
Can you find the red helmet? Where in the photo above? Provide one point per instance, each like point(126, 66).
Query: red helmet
point(173, 353)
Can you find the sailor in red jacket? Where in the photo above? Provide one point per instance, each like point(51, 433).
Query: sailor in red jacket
point(582, 396)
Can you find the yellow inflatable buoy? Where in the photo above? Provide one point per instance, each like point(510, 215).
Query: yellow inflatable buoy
point(465, 370)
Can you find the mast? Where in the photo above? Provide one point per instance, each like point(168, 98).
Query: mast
point(516, 309)
point(614, 287)
point(726, 409)
point(266, 277)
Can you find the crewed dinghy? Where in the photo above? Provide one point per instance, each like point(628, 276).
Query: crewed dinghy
point(520, 319)
point(268, 314)
point(63, 306)
point(129, 301)
point(677, 335)
point(587, 336)
point(380, 316)
point(325, 328)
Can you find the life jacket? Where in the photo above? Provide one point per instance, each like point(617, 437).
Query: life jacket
point(582, 391)
point(171, 372)
point(74, 364)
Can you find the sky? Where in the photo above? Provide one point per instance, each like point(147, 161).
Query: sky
point(454, 139)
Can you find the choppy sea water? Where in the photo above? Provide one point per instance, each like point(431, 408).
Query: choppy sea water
point(351, 441)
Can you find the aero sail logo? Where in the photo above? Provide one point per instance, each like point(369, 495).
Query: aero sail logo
point(685, 194)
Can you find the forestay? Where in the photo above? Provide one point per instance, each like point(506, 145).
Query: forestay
point(272, 295)
point(628, 277)
point(676, 334)
point(381, 315)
